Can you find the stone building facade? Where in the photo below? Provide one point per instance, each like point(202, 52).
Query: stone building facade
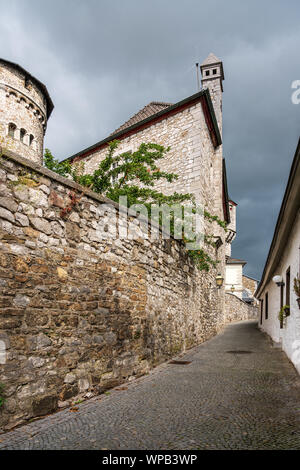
point(284, 261)
point(83, 310)
point(192, 128)
point(250, 284)
point(249, 288)
point(25, 106)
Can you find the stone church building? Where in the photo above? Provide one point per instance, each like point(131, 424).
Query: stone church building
point(192, 128)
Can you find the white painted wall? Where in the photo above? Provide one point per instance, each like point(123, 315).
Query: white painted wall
point(289, 335)
point(231, 227)
point(234, 277)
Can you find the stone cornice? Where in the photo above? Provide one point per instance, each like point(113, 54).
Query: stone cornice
point(6, 88)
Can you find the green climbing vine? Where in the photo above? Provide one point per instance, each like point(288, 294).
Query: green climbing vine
point(133, 175)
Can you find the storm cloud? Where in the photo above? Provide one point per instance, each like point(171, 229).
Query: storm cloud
point(104, 60)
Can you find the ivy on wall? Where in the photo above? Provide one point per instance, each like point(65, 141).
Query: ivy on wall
point(134, 174)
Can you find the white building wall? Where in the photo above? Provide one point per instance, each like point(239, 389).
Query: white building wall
point(289, 335)
point(234, 277)
point(231, 228)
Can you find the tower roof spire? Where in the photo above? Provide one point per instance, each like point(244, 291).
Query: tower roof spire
point(211, 59)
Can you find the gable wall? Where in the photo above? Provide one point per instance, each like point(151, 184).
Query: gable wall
point(190, 156)
point(234, 274)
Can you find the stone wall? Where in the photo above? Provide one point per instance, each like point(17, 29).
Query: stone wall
point(81, 312)
point(250, 284)
point(237, 310)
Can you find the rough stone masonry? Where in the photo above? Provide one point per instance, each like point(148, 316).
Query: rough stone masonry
point(81, 312)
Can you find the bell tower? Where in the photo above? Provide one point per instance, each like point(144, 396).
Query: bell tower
point(212, 78)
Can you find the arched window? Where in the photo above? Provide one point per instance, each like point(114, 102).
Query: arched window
point(31, 139)
point(22, 134)
point(11, 129)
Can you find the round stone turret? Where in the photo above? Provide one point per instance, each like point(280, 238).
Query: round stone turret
point(25, 107)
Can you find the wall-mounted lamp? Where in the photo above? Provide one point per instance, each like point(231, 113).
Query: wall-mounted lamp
point(232, 288)
point(278, 280)
point(219, 281)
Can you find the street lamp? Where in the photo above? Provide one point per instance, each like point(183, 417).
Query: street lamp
point(278, 280)
point(219, 281)
point(232, 288)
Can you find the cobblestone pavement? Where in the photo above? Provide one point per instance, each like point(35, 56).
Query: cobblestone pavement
point(223, 399)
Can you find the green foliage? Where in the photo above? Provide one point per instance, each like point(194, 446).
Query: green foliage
point(297, 286)
point(215, 218)
point(78, 402)
point(133, 175)
point(2, 399)
point(62, 168)
point(283, 313)
point(202, 260)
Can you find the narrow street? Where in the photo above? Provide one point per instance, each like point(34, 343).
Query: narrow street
point(238, 392)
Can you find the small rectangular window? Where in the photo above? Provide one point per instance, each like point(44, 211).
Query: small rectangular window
point(214, 71)
point(266, 306)
point(207, 72)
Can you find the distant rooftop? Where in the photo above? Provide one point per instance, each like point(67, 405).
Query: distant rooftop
point(145, 118)
point(147, 111)
point(234, 203)
point(250, 277)
point(230, 260)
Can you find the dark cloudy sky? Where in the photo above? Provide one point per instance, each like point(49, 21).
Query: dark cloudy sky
point(102, 60)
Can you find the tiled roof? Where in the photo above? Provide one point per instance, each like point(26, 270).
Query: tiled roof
point(230, 260)
point(147, 111)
